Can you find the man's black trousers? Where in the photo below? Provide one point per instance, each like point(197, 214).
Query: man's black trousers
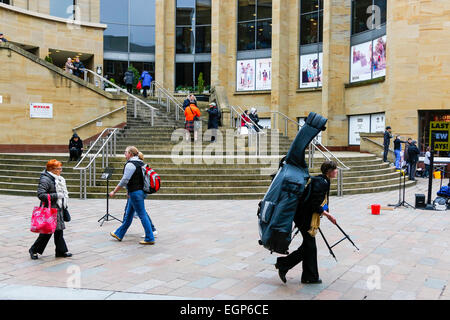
point(307, 253)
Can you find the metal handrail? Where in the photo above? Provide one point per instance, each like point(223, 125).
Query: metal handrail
point(107, 149)
point(316, 145)
point(252, 134)
point(169, 97)
point(98, 118)
point(102, 79)
point(242, 112)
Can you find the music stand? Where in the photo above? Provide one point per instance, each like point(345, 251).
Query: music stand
point(107, 174)
point(402, 202)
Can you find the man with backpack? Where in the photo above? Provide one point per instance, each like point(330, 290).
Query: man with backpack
point(213, 120)
point(312, 205)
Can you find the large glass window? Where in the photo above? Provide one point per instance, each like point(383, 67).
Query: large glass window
point(368, 41)
point(142, 39)
point(114, 11)
point(365, 14)
point(311, 34)
point(254, 24)
point(115, 38)
point(193, 37)
point(5, 1)
point(62, 8)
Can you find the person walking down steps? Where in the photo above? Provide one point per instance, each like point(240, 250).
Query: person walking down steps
point(133, 181)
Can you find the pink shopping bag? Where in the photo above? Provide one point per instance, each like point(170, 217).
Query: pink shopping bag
point(44, 219)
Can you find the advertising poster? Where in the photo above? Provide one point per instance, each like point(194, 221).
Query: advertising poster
point(377, 122)
point(379, 57)
point(311, 70)
point(441, 132)
point(357, 124)
point(245, 75)
point(264, 74)
point(41, 110)
point(361, 59)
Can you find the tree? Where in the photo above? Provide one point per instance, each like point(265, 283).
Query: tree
point(201, 83)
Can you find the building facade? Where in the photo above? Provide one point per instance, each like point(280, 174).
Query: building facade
point(363, 64)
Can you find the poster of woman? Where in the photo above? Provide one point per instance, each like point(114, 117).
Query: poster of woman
point(245, 75)
point(311, 70)
point(379, 57)
point(361, 61)
point(263, 74)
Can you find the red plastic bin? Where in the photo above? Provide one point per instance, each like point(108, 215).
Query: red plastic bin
point(376, 208)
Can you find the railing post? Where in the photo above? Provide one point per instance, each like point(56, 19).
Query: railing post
point(135, 108)
point(153, 114)
point(168, 103)
point(85, 186)
point(340, 185)
point(95, 173)
point(85, 75)
point(81, 184)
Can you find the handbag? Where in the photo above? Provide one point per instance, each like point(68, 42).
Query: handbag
point(66, 214)
point(43, 220)
point(139, 85)
point(195, 117)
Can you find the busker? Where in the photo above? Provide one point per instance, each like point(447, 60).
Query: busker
point(386, 142)
point(307, 219)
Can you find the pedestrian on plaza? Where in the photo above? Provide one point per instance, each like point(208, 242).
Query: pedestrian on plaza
point(386, 142)
point(307, 219)
point(129, 80)
point(213, 120)
point(79, 68)
point(75, 148)
point(69, 66)
point(192, 115)
point(397, 151)
point(405, 153)
point(413, 157)
point(427, 162)
point(52, 183)
point(133, 181)
point(255, 119)
point(155, 233)
point(2, 38)
point(146, 82)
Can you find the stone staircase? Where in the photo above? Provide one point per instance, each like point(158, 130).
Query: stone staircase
point(187, 178)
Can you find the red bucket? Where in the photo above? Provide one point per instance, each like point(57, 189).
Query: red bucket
point(376, 209)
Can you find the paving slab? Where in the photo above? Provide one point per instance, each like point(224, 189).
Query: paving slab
point(209, 250)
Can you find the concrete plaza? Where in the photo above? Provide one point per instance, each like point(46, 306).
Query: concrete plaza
point(209, 250)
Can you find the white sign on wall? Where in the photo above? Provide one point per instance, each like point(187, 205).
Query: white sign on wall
point(357, 124)
point(245, 73)
point(1, 99)
point(377, 122)
point(41, 110)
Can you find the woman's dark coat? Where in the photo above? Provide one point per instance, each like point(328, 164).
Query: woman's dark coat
point(213, 120)
point(75, 144)
point(47, 186)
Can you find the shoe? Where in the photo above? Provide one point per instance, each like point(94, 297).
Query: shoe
point(64, 255)
point(155, 234)
point(281, 272)
point(147, 242)
point(318, 281)
point(114, 236)
point(33, 255)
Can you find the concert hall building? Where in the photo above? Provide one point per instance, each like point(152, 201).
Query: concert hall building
point(363, 64)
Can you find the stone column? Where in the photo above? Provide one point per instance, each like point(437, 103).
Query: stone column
point(280, 57)
point(223, 12)
point(335, 73)
point(165, 44)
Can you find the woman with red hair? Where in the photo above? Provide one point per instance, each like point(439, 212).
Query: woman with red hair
point(53, 184)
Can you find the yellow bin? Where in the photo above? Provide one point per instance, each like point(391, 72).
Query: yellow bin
point(437, 174)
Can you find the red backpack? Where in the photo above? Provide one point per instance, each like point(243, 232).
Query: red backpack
point(152, 181)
